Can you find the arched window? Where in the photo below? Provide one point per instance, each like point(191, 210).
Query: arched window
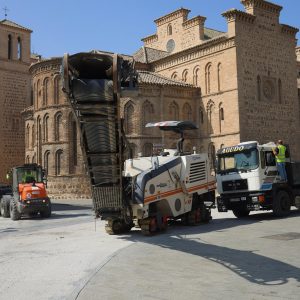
point(9, 47)
point(208, 78)
point(73, 152)
point(46, 91)
point(46, 128)
point(169, 29)
point(148, 149)
point(58, 130)
point(46, 160)
point(210, 111)
point(258, 88)
point(33, 137)
point(33, 159)
point(133, 149)
point(187, 112)
point(174, 76)
point(221, 116)
point(201, 116)
point(279, 91)
point(27, 159)
point(27, 137)
point(56, 91)
point(19, 49)
point(37, 93)
point(39, 140)
point(196, 76)
point(219, 76)
point(129, 117)
point(58, 162)
point(221, 146)
point(174, 111)
point(185, 75)
point(147, 114)
point(212, 155)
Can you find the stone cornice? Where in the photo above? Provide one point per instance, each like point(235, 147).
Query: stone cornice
point(48, 108)
point(27, 113)
point(182, 12)
point(194, 22)
point(262, 4)
point(175, 92)
point(13, 26)
point(238, 15)
point(45, 66)
point(209, 47)
point(150, 39)
point(289, 29)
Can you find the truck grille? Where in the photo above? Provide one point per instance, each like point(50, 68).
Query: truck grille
point(235, 185)
point(197, 171)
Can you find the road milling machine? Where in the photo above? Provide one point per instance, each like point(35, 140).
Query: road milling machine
point(143, 192)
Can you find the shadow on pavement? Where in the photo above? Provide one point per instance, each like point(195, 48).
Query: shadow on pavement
point(62, 207)
point(251, 266)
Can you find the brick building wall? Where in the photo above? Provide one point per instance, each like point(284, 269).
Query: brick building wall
point(14, 92)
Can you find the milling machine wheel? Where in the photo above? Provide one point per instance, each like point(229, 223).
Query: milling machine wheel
point(113, 226)
point(148, 226)
point(117, 226)
point(193, 217)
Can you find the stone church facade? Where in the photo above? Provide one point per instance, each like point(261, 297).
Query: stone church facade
point(247, 75)
point(236, 86)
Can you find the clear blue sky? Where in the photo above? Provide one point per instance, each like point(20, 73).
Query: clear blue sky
point(113, 25)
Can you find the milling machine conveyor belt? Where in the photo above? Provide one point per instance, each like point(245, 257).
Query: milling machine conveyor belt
point(95, 101)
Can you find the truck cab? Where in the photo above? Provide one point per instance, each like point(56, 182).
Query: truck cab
point(248, 180)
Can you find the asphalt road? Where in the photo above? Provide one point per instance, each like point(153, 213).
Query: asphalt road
point(64, 257)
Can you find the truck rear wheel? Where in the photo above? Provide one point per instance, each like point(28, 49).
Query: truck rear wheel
point(46, 213)
point(241, 212)
point(281, 204)
point(4, 206)
point(14, 213)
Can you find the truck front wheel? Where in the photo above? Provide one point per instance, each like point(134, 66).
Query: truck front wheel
point(241, 212)
point(281, 204)
point(4, 206)
point(14, 213)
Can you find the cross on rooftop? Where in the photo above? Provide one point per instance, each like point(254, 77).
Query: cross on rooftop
point(5, 11)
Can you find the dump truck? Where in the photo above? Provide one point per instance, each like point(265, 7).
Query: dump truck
point(144, 192)
point(27, 194)
point(248, 180)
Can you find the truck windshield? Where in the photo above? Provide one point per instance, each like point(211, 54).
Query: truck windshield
point(29, 175)
point(238, 161)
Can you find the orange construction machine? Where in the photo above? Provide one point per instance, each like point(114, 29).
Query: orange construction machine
point(27, 195)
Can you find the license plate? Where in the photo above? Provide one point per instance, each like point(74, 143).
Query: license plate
point(235, 200)
point(35, 193)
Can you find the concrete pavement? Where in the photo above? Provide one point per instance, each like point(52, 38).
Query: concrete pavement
point(256, 258)
point(65, 258)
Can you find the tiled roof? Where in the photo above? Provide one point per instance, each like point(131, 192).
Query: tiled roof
point(15, 25)
point(148, 55)
point(211, 33)
point(146, 77)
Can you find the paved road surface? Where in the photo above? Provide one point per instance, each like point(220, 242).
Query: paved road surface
point(65, 258)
